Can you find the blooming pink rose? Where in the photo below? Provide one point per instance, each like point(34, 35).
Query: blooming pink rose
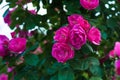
point(117, 48)
point(77, 37)
point(3, 43)
point(3, 39)
point(17, 45)
point(3, 51)
point(74, 19)
point(61, 35)
point(117, 67)
point(85, 25)
point(78, 19)
point(94, 36)
point(89, 4)
point(3, 76)
point(112, 54)
point(62, 52)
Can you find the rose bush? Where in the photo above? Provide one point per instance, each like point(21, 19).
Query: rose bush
point(72, 40)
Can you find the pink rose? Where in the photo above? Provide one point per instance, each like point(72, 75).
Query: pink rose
point(10, 69)
point(3, 76)
point(94, 36)
point(3, 50)
point(112, 54)
point(117, 67)
point(62, 52)
point(85, 25)
point(3, 39)
point(61, 35)
point(33, 12)
point(77, 37)
point(89, 4)
point(117, 48)
point(13, 34)
point(17, 45)
point(74, 19)
point(7, 18)
point(3, 45)
point(78, 19)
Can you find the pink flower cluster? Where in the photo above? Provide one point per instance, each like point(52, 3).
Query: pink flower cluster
point(74, 35)
point(116, 52)
point(15, 45)
point(89, 4)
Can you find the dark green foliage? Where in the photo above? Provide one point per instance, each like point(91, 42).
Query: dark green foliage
point(86, 63)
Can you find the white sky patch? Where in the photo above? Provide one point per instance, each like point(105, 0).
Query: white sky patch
point(110, 15)
point(30, 6)
point(111, 2)
point(4, 28)
point(116, 14)
point(50, 1)
point(113, 9)
point(107, 6)
point(42, 11)
point(97, 14)
point(64, 8)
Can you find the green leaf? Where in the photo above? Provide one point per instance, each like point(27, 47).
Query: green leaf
point(31, 59)
point(93, 61)
point(19, 75)
point(65, 74)
point(84, 65)
point(1, 1)
point(95, 78)
point(96, 70)
point(55, 77)
point(80, 64)
point(31, 76)
point(55, 67)
point(29, 22)
point(111, 23)
point(30, 25)
point(87, 49)
point(3, 67)
point(104, 35)
point(31, 48)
